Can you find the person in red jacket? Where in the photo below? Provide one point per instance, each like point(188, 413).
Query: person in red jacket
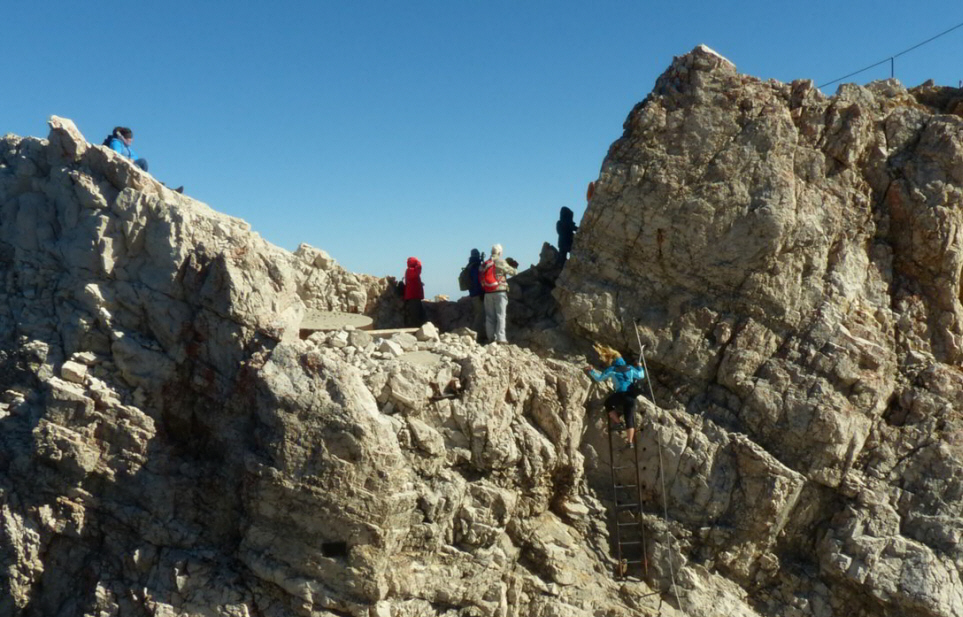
point(414, 312)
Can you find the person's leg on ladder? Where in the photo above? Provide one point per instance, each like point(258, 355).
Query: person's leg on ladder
point(612, 403)
point(628, 410)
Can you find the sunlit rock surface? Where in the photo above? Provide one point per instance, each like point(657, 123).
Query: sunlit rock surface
point(170, 445)
point(793, 264)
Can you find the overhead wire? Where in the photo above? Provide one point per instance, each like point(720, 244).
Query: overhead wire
point(665, 502)
point(894, 56)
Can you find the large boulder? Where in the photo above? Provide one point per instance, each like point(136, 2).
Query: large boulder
point(792, 263)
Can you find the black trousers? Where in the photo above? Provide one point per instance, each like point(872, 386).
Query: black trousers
point(626, 402)
point(414, 314)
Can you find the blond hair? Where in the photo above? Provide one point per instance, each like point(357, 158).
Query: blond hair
point(606, 353)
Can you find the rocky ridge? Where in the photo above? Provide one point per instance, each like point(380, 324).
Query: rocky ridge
point(171, 446)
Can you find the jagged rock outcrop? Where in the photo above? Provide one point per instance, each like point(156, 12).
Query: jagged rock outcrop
point(793, 262)
point(169, 445)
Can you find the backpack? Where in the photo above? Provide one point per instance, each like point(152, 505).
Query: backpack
point(464, 279)
point(486, 276)
point(635, 388)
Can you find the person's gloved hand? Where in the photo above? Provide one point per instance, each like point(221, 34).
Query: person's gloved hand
point(511, 262)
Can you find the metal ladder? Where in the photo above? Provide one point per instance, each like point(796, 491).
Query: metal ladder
point(629, 530)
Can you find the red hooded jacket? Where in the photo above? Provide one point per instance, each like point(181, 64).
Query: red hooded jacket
point(414, 289)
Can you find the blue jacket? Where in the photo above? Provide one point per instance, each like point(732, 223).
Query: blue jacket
point(621, 374)
point(117, 145)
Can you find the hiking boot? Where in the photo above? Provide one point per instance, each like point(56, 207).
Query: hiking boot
point(618, 426)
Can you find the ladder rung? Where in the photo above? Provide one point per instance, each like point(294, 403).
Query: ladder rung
point(624, 467)
point(627, 524)
point(630, 561)
point(624, 486)
point(633, 543)
point(623, 506)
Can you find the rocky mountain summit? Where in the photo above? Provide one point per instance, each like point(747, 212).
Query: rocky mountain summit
point(170, 444)
point(793, 262)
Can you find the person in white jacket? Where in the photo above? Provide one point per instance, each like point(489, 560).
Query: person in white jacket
point(493, 275)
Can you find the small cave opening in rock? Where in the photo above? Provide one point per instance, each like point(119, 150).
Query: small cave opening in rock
point(334, 549)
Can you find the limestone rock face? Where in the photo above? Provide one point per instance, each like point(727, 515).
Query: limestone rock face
point(325, 285)
point(792, 262)
point(170, 446)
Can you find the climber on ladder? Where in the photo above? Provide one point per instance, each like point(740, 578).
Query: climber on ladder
point(627, 521)
point(627, 385)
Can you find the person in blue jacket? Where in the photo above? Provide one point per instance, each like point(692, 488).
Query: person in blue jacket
point(120, 140)
point(623, 376)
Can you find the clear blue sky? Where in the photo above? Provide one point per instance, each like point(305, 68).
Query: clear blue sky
point(379, 130)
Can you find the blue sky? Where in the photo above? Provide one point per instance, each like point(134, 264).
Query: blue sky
point(380, 130)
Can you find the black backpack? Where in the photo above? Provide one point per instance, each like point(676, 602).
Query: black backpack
point(635, 388)
point(464, 279)
point(107, 140)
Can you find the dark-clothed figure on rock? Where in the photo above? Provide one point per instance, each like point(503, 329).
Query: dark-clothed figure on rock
point(477, 294)
point(566, 229)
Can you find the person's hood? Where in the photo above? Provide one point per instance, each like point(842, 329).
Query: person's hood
point(475, 255)
point(618, 362)
point(413, 262)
